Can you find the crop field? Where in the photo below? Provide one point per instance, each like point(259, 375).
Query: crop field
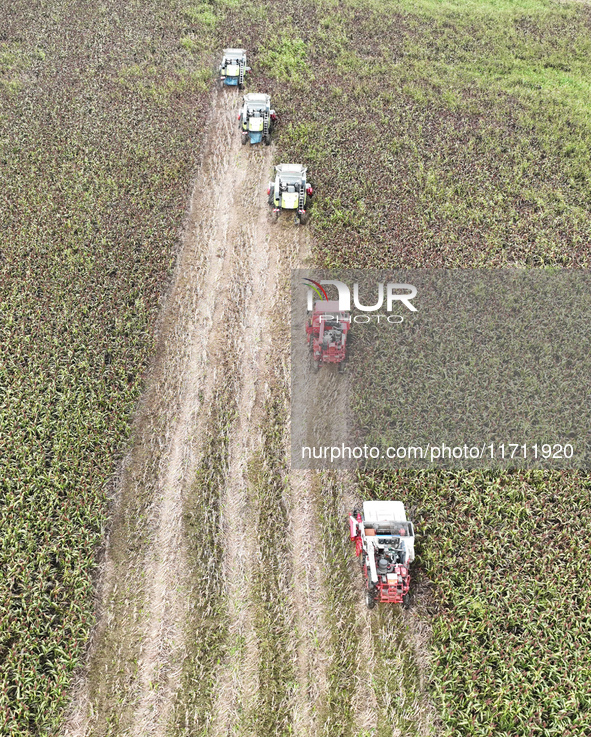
point(506, 557)
point(465, 149)
point(99, 130)
point(162, 570)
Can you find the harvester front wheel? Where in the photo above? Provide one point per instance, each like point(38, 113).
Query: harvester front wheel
point(370, 600)
point(267, 140)
point(244, 138)
point(406, 601)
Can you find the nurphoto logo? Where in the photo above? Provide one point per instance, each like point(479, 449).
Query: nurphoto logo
point(395, 294)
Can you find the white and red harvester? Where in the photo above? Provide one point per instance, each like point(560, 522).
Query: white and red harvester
point(385, 541)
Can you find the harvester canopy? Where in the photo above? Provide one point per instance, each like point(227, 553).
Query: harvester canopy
point(326, 332)
point(233, 68)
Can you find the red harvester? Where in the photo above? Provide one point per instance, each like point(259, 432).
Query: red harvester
point(326, 333)
point(385, 542)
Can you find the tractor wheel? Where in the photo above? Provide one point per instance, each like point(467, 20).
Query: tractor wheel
point(370, 600)
point(406, 601)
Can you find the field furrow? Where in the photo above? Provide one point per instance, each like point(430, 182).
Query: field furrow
point(135, 663)
point(230, 602)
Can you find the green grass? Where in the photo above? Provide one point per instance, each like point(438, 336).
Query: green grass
point(284, 58)
point(434, 140)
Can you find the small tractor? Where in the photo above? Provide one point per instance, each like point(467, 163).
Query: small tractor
point(256, 119)
point(326, 333)
point(385, 542)
point(233, 68)
point(290, 191)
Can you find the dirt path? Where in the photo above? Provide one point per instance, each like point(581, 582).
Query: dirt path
point(216, 330)
point(230, 252)
point(237, 681)
point(134, 663)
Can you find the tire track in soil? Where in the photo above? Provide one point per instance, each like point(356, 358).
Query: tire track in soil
point(237, 684)
point(217, 226)
point(325, 422)
point(311, 607)
point(136, 651)
point(324, 394)
point(168, 427)
point(311, 579)
point(237, 695)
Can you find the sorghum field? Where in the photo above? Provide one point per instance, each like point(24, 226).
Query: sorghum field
point(448, 134)
point(436, 134)
point(458, 135)
point(101, 110)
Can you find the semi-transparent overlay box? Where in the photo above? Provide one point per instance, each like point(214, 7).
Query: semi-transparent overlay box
point(464, 368)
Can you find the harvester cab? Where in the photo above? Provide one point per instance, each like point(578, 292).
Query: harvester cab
point(385, 542)
point(233, 68)
point(256, 119)
point(290, 191)
point(326, 333)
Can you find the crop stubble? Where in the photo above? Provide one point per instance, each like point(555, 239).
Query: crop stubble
point(221, 345)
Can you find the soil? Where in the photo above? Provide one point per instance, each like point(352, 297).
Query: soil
point(230, 283)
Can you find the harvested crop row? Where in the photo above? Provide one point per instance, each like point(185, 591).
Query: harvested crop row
point(207, 616)
point(149, 539)
point(350, 706)
point(273, 619)
point(254, 274)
